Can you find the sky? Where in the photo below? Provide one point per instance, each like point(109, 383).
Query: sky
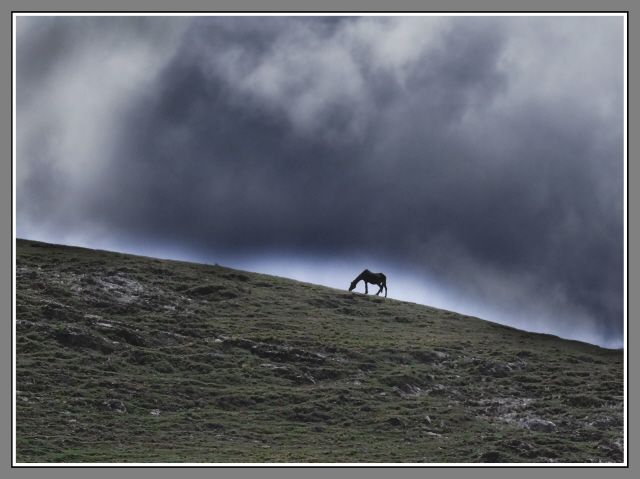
point(477, 161)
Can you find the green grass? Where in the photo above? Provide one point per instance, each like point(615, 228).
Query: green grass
point(123, 358)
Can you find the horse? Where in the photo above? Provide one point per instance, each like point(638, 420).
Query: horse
point(367, 276)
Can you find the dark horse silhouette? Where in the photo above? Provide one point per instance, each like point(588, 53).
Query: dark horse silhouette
point(367, 276)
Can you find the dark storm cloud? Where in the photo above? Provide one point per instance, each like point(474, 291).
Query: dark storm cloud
point(483, 152)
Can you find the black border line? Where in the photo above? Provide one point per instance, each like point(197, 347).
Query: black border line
point(13, 293)
point(335, 465)
point(627, 161)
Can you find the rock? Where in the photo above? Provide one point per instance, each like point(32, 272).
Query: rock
point(408, 390)
point(542, 425)
point(155, 412)
point(437, 389)
point(115, 405)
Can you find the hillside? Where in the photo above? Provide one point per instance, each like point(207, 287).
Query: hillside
point(124, 358)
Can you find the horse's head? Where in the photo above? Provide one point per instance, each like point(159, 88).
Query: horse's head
point(353, 285)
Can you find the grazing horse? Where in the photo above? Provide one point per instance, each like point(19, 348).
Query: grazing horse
point(367, 276)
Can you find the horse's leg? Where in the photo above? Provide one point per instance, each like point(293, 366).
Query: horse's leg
point(366, 290)
point(385, 289)
point(380, 290)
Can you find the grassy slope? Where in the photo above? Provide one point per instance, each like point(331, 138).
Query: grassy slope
point(129, 359)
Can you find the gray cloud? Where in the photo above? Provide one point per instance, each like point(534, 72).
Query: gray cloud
point(482, 154)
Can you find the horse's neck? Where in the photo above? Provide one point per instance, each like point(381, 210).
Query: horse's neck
point(362, 276)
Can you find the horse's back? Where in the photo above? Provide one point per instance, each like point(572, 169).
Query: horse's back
point(366, 274)
point(380, 276)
